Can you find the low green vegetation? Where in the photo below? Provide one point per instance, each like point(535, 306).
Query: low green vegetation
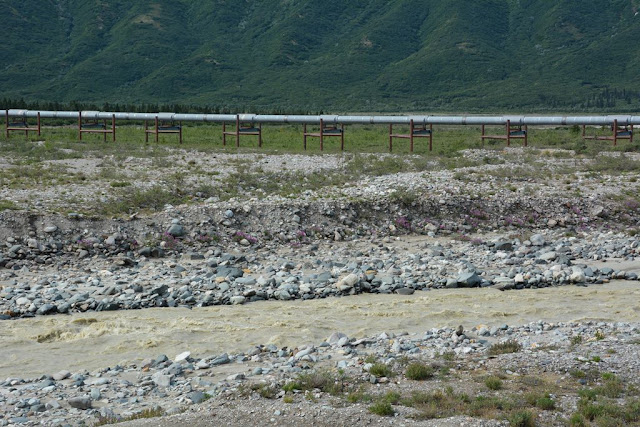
point(419, 371)
point(144, 414)
point(510, 346)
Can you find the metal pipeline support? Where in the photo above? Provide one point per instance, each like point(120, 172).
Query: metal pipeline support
point(607, 120)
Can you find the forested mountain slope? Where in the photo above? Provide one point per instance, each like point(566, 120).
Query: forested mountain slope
point(356, 55)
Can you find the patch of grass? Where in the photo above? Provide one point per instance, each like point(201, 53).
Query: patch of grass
point(599, 335)
point(120, 184)
point(152, 199)
point(493, 383)
point(287, 399)
point(7, 205)
point(577, 339)
point(144, 414)
point(264, 390)
point(382, 408)
point(381, 370)
point(510, 346)
point(419, 371)
point(325, 381)
point(521, 418)
point(359, 396)
point(449, 356)
point(540, 400)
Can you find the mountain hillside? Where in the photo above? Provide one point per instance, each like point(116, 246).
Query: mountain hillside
point(374, 55)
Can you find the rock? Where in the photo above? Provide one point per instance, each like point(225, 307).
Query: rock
point(80, 402)
point(237, 299)
point(469, 280)
point(197, 397)
point(347, 283)
point(23, 301)
point(503, 246)
point(504, 283)
point(537, 240)
point(176, 230)
point(548, 256)
point(404, 291)
point(236, 377)
point(62, 375)
point(335, 337)
point(577, 275)
point(182, 356)
point(220, 360)
point(46, 309)
point(161, 380)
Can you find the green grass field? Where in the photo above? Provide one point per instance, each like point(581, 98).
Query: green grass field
point(62, 141)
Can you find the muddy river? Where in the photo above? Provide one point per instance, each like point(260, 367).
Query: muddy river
point(47, 344)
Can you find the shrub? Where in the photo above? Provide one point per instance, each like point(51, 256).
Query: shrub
point(510, 346)
point(382, 408)
point(493, 383)
point(381, 370)
point(522, 419)
point(419, 371)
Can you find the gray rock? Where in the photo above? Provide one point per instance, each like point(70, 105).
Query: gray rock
point(537, 240)
point(161, 380)
point(503, 245)
point(62, 375)
point(197, 397)
point(548, 256)
point(51, 229)
point(577, 275)
point(80, 402)
point(404, 291)
point(176, 230)
point(220, 360)
point(469, 280)
point(237, 299)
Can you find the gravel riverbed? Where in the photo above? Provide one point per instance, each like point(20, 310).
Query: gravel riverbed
point(492, 223)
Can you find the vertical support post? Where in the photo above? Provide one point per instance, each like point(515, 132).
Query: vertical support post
point(411, 136)
point(508, 133)
point(113, 126)
point(104, 128)
point(631, 134)
point(584, 131)
point(80, 125)
point(390, 137)
point(526, 135)
point(157, 128)
point(6, 116)
point(38, 123)
point(321, 135)
point(342, 137)
point(146, 128)
point(260, 135)
point(180, 132)
point(304, 136)
point(237, 131)
point(224, 134)
point(431, 137)
point(482, 138)
point(615, 132)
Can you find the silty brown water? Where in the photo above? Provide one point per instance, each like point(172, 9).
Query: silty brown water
point(47, 344)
